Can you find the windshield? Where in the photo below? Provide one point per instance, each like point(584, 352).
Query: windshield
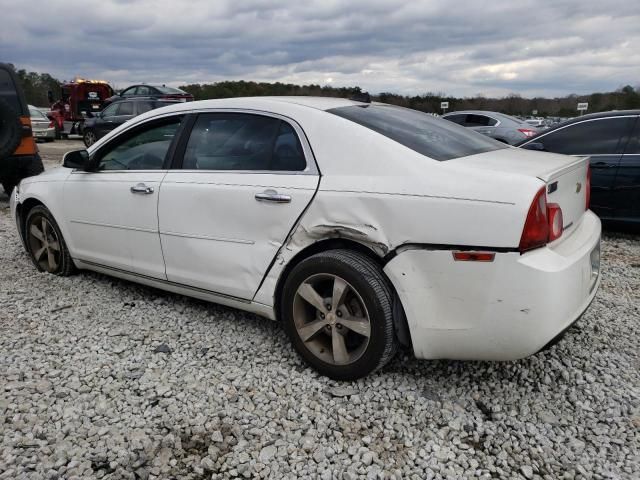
point(431, 136)
point(170, 90)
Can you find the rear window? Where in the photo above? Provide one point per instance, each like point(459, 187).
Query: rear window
point(170, 90)
point(423, 133)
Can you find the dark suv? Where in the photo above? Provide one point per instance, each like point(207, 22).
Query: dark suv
point(19, 156)
point(612, 140)
point(116, 114)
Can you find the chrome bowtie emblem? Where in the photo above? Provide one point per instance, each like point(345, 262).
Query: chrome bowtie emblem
point(578, 187)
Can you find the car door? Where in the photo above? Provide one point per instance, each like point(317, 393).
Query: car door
point(112, 212)
point(244, 180)
point(602, 139)
point(627, 182)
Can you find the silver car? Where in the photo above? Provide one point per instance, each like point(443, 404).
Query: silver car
point(496, 125)
point(43, 128)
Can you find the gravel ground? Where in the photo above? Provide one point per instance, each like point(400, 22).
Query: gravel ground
point(100, 378)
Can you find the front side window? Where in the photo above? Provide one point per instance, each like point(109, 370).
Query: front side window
point(145, 149)
point(129, 91)
point(592, 137)
point(425, 134)
point(240, 141)
point(110, 111)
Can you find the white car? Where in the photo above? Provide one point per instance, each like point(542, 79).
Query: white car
point(361, 226)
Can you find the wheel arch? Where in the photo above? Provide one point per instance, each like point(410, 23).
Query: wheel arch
point(22, 210)
point(400, 320)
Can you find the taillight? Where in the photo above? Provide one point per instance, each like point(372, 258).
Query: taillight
point(587, 193)
point(527, 132)
point(536, 227)
point(554, 213)
point(544, 223)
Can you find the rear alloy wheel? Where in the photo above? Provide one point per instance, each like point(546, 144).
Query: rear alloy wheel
point(89, 137)
point(337, 311)
point(45, 244)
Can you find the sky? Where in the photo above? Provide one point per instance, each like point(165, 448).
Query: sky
point(459, 47)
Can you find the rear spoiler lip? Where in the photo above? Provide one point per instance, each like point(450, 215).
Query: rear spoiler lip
point(567, 168)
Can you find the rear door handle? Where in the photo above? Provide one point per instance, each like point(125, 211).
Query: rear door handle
point(603, 165)
point(272, 196)
point(141, 188)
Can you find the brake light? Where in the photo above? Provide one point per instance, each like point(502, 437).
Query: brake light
point(536, 227)
point(554, 213)
point(527, 132)
point(587, 193)
point(544, 223)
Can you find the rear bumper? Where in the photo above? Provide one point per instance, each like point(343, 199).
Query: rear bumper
point(44, 133)
point(502, 310)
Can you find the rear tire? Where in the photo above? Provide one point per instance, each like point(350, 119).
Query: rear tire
point(45, 244)
point(10, 130)
point(337, 310)
point(89, 137)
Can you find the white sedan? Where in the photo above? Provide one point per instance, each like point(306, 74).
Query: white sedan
point(361, 226)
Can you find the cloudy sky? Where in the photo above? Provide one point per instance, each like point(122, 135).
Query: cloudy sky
point(460, 47)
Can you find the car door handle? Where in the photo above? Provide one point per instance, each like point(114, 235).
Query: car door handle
point(602, 165)
point(142, 189)
point(272, 196)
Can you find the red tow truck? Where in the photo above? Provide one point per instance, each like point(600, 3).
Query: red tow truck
point(77, 99)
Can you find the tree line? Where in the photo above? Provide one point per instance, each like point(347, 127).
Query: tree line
point(36, 85)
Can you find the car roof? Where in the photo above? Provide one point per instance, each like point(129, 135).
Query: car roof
point(268, 103)
point(611, 113)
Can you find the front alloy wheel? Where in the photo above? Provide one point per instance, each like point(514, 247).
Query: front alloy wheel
point(45, 244)
point(337, 310)
point(89, 137)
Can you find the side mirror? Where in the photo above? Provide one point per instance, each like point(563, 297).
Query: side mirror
point(77, 159)
point(538, 146)
point(50, 96)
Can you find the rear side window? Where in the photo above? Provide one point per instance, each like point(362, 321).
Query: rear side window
point(479, 121)
point(126, 108)
point(238, 141)
point(593, 137)
point(633, 146)
point(459, 119)
point(423, 133)
point(144, 107)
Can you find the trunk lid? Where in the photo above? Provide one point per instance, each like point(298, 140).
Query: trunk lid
point(565, 176)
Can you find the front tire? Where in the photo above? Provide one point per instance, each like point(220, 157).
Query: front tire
point(45, 244)
point(337, 310)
